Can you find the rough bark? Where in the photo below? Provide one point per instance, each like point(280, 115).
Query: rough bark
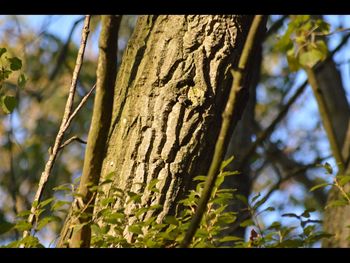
point(170, 92)
point(336, 219)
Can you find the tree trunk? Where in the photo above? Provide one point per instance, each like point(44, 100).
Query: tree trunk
point(336, 219)
point(170, 92)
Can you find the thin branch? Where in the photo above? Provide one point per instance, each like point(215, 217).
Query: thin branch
point(276, 25)
point(81, 104)
point(268, 131)
point(64, 50)
point(245, 214)
point(277, 156)
point(72, 139)
point(234, 107)
point(63, 127)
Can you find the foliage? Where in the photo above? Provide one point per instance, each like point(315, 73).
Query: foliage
point(8, 65)
point(339, 182)
point(302, 42)
point(142, 227)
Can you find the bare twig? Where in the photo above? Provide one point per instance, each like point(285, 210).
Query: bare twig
point(268, 131)
point(233, 108)
point(74, 138)
point(63, 127)
point(82, 102)
point(64, 50)
point(277, 25)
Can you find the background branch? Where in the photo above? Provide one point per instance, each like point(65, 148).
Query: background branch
point(63, 127)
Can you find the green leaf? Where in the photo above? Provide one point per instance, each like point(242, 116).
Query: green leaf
point(230, 238)
point(260, 202)
point(293, 62)
point(229, 173)
point(199, 178)
point(152, 184)
point(328, 168)
point(246, 223)
point(220, 179)
point(135, 229)
point(35, 204)
point(151, 244)
point(5, 74)
point(319, 186)
point(135, 197)
point(227, 219)
point(45, 202)
point(268, 209)
point(107, 201)
point(23, 225)
point(113, 218)
point(58, 204)
point(31, 242)
point(23, 213)
point(8, 104)
point(309, 229)
point(96, 230)
point(343, 180)
point(323, 27)
point(21, 81)
point(172, 220)
point(43, 222)
point(226, 163)
point(291, 243)
point(15, 63)
point(155, 207)
point(256, 197)
point(311, 57)
point(63, 187)
point(321, 235)
point(275, 225)
point(2, 51)
point(305, 214)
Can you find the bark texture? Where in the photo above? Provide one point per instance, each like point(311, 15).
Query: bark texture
point(170, 92)
point(336, 219)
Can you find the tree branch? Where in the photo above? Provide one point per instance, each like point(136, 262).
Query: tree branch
point(277, 25)
point(63, 127)
point(326, 118)
point(74, 138)
point(99, 129)
point(268, 131)
point(64, 50)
